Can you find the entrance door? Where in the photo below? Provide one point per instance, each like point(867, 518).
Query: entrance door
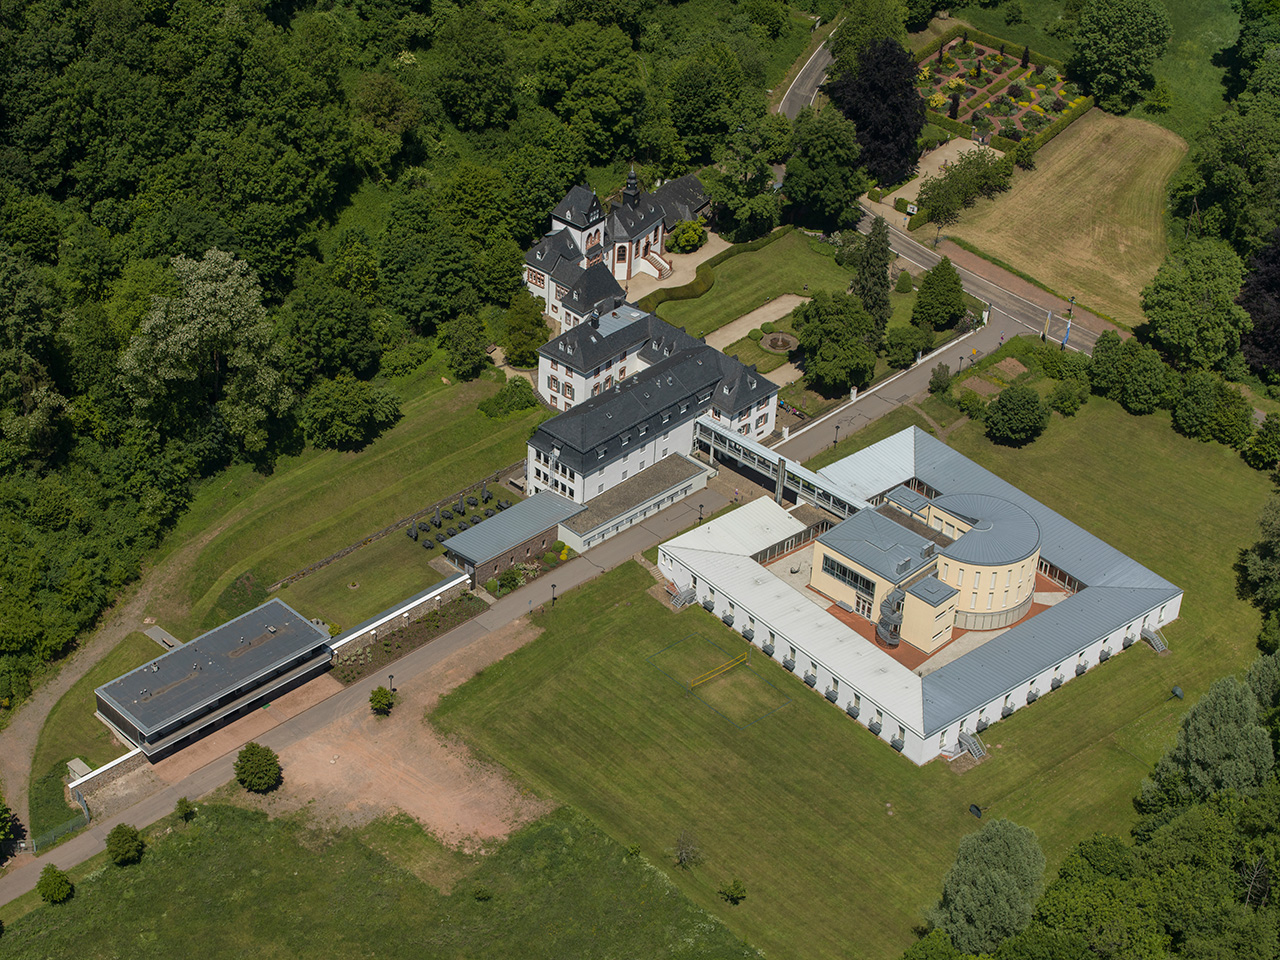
point(862, 606)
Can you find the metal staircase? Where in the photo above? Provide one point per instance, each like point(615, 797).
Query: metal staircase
point(1154, 637)
point(973, 743)
point(683, 598)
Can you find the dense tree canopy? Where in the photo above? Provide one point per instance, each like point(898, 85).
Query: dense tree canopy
point(1017, 416)
point(881, 99)
point(839, 340)
point(824, 179)
point(1116, 44)
point(1191, 306)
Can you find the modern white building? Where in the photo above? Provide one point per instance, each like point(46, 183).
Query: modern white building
point(946, 600)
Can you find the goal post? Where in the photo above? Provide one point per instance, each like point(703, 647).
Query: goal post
point(718, 671)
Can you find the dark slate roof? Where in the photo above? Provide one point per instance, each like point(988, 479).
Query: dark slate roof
point(591, 434)
point(507, 530)
point(253, 645)
point(553, 252)
point(594, 287)
point(629, 223)
point(586, 346)
point(580, 207)
point(682, 199)
point(1001, 532)
point(876, 543)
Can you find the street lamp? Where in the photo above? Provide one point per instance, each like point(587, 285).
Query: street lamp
point(1071, 307)
point(553, 596)
point(837, 439)
point(699, 513)
point(391, 682)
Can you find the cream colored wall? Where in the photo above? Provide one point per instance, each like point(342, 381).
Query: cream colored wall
point(837, 589)
point(1019, 579)
point(940, 520)
point(920, 622)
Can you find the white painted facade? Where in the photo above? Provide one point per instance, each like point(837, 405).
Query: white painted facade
point(545, 473)
point(563, 387)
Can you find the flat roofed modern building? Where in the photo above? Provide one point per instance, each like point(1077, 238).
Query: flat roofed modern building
point(520, 534)
point(216, 677)
point(945, 601)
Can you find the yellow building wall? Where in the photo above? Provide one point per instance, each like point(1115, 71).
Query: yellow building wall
point(1012, 583)
point(837, 589)
point(921, 622)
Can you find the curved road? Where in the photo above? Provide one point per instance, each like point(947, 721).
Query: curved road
point(805, 86)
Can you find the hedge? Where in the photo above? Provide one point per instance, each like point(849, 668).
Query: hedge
point(705, 277)
point(1069, 116)
point(987, 40)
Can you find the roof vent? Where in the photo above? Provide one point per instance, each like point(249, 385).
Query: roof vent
point(904, 565)
point(927, 551)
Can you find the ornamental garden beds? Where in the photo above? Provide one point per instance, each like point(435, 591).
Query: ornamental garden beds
point(351, 665)
point(998, 96)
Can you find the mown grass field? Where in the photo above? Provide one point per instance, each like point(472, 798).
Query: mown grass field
point(1203, 30)
point(71, 730)
point(1089, 220)
point(749, 280)
point(809, 809)
point(318, 502)
point(234, 884)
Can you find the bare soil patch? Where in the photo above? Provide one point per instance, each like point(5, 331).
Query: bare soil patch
point(984, 388)
point(363, 767)
point(1011, 367)
point(1089, 220)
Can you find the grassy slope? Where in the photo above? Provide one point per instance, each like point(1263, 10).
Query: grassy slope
point(71, 730)
point(1201, 29)
point(235, 884)
point(749, 280)
point(321, 501)
point(796, 805)
point(1089, 220)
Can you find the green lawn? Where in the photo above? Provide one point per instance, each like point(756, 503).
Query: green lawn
point(1201, 30)
point(873, 432)
point(750, 280)
point(318, 502)
point(365, 582)
point(807, 806)
point(71, 730)
point(234, 884)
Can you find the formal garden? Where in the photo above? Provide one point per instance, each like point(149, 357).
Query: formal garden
point(993, 92)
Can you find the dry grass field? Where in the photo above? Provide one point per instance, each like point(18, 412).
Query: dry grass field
point(1089, 220)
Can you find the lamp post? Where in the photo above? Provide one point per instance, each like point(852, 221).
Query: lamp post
point(1071, 307)
point(699, 513)
point(391, 682)
point(837, 439)
point(553, 596)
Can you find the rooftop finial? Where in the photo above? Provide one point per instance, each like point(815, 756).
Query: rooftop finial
point(631, 195)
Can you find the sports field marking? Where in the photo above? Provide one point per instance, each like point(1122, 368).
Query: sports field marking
point(743, 697)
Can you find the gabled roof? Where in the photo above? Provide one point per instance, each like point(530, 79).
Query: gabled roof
point(580, 207)
point(594, 287)
point(553, 252)
point(629, 223)
point(681, 199)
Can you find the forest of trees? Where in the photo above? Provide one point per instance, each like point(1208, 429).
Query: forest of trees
point(225, 226)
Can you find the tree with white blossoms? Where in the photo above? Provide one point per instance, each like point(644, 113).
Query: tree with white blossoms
point(208, 350)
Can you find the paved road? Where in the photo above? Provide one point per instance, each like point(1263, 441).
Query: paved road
point(805, 86)
point(408, 671)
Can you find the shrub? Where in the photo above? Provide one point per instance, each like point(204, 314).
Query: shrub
point(1017, 416)
point(1015, 91)
point(874, 194)
point(687, 236)
point(482, 893)
point(54, 886)
point(756, 335)
point(973, 405)
point(258, 768)
point(510, 579)
point(124, 844)
point(902, 344)
point(1068, 397)
point(491, 586)
point(769, 327)
point(1011, 131)
point(733, 893)
point(185, 810)
point(900, 204)
point(516, 394)
point(381, 700)
point(558, 546)
point(551, 558)
point(904, 283)
point(940, 380)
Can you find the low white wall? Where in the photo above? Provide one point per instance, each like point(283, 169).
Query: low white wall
point(406, 612)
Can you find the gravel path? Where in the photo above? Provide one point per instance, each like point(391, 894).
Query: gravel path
point(771, 312)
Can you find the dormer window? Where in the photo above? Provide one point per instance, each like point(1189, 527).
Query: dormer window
point(625, 439)
point(643, 429)
point(666, 418)
point(599, 453)
point(726, 389)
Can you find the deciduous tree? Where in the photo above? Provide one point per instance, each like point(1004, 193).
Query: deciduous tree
point(1258, 568)
point(1260, 298)
point(381, 700)
point(257, 768)
point(992, 887)
point(464, 340)
point(124, 844)
point(882, 101)
point(865, 23)
point(1190, 306)
point(526, 330)
point(345, 413)
point(1017, 416)
point(823, 177)
point(54, 886)
point(1117, 42)
point(838, 338)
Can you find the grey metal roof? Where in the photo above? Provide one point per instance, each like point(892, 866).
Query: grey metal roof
point(1009, 661)
point(876, 543)
point(932, 591)
point(906, 497)
point(554, 253)
point(1001, 532)
point(630, 222)
point(1067, 546)
point(619, 329)
point(506, 530)
point(172, 686)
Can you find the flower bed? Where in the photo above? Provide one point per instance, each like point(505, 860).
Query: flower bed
point(997, 94)
point(351, 665)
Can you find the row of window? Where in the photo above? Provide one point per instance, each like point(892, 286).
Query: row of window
point(977, 577)
point(850, 578)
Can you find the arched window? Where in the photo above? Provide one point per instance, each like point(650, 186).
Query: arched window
point(622, 254)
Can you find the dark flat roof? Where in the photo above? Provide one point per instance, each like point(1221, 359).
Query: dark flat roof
point(226, 658)
point(668, 472)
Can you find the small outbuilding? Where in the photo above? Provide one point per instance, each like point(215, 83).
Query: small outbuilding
point(521, 533)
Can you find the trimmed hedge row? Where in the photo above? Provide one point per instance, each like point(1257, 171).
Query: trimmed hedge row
point(984, 95)
point(1069, 116)
point(986, 40)
point(705, 277)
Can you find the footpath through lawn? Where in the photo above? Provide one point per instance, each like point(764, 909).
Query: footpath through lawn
point(841, 842)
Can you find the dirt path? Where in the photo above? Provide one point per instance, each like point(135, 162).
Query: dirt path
point(18, 740)
point(772, 311)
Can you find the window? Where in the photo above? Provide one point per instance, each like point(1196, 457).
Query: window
point(622, 254)
point(960, 577)
point(625, 439)
point(608, 382)
point(993, 580)
point(946, 570)
point(771, 636)
point(622, 373)
point(554, 365)
point(567, 390)
point(595, 390)
point(1006, 599)
point(666, 417)
point(644, 428)
point(1008, 576)
point(664, 451)
point(684, 408)
point(600, 453)
point(624, 474)
point(553, 384)
point(762, 420)
point(835, 684)
point(600, 489)
point(553, 401)
point(973, 601)
point(834, 568)
point(902, 733)
point(990, 599)
point(793, 653)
